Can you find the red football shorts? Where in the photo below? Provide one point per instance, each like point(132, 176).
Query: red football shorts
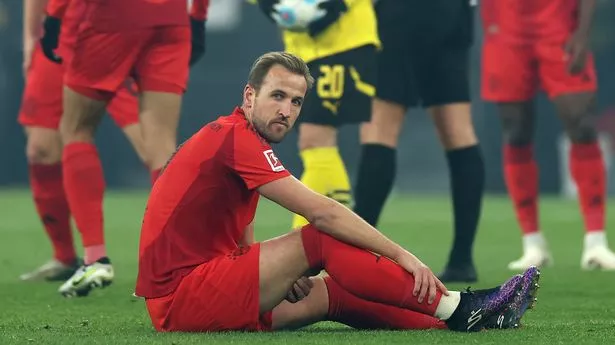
point(513, 73)
point(157, 58)
point(219, 295)
point(41, 104)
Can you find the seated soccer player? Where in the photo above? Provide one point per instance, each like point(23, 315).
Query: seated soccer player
point(201, 270)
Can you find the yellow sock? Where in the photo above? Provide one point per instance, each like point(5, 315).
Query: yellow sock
point(324, 172)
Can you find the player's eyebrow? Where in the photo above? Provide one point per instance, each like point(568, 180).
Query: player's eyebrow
point(279, 91)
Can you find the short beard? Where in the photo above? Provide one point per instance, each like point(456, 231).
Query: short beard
point(262, 130)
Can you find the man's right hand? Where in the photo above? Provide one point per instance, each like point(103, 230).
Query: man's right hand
point(425, 282)
point(51, 38)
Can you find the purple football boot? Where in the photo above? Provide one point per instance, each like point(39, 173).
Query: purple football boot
point(477, 308)
point(511, 316)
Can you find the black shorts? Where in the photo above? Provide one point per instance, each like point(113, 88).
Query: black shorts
point(425, 51)
point(343, 89)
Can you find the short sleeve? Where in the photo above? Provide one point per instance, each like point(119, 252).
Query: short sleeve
point(254, 160)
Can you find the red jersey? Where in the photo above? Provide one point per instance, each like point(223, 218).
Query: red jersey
point(203, 201)
point(527, 21)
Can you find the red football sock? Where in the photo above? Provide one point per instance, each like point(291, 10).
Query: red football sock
point(521, 175)
point(352, 311)
point(85, 185)
point(587, 169)
point(154, 175)
point(52, 208)
point(365, 275)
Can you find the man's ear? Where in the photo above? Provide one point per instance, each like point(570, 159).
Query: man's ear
point(248, 96)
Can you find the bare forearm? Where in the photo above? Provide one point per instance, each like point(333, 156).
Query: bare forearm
point(33, 14)
point(586, 16)
point(344, 225)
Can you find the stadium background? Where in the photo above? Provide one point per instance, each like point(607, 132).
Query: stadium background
point(237, 33)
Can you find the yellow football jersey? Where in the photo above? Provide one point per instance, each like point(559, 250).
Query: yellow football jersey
point(356, 27)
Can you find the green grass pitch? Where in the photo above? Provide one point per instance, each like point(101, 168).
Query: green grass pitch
point(574, 307)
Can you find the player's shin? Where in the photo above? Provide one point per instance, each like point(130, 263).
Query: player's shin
point(358, 313)
point(362, 273)
point(52, 207)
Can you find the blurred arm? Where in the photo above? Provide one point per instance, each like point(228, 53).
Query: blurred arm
point(586, 16)
point(330, 216)
point(33, 14)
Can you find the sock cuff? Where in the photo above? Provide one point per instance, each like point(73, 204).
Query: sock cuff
point(461, 155)
point(320, 155)
point(75, 149)
point(585, 151)
point(518, 154)
point(377, 149)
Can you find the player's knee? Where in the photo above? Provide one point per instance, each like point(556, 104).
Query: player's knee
point(312, 135)
point(454, 125)
point(43, 149)
point(516, 132)
point(580, 129)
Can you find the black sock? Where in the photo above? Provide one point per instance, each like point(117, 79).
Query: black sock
point(467, 175)
point(375, 181)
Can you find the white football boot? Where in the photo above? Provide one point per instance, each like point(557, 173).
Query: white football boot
point(535, 253)
point(596, 253)
point(97, 275)
point(52, 270)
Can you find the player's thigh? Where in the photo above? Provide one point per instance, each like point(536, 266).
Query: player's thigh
point(282, 261)
point(41, 104)
point(313, 308)
point(163, 65)
point(508, 72)
point(554, 76)
point(220, 295)
point(101, 61)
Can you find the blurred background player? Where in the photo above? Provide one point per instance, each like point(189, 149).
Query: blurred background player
point(40, 115)
point(546, 43)
point(112, 45)
point(424, 61)
point(340, 50)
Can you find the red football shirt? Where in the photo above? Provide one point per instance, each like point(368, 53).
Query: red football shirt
point(202, 202)
point(528, 21)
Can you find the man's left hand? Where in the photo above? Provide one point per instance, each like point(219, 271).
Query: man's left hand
point(300, 290)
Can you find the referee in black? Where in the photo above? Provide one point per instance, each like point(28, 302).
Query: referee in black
point(425, 62)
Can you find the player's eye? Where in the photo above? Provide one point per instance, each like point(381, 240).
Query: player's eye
point(278, 96)
point(297, 102)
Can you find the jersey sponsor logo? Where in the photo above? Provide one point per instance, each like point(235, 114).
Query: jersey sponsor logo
point(274, 162)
